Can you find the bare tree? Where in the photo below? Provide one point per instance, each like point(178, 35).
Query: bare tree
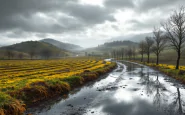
point(126, 53)
point(148, 47)
point(175, 31)
point(141, 49)
point(10, 54)
point(113, 53)
point(159, 43)
point(86, 54)
point(122, 53)
point(32, 53)
point(129, 52)
point(46, 53)
point(134, 52)
point(20, 55)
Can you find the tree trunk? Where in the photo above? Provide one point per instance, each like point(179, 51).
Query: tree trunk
point(122, 56)
point(141, 57)
point(178, 59)
point(157, 62)
point(148, 58)
point(179, 100)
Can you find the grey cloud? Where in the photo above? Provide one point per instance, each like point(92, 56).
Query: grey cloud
point(15, 34)
point(28, 24)
point(119, 3)
point(136, 24)
point(146, 5)
point(20, 14)
point(146, 23)
point(134, 37)
point(20, 17)
point(90, 13)
point(12, 7)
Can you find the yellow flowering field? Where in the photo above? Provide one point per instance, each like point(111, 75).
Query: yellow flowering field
point(33, 80)
point(166, 66)
point(17, 74)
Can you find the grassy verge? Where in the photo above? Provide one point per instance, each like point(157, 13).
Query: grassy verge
point(171, 71)
point(13, 102)
point(10, 106)
point(168, 70)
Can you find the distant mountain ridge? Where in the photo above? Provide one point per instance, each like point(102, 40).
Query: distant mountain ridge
point(119, 43)
point(62, 45)
point(109, 46)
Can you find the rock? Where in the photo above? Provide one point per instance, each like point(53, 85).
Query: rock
point(70, 105)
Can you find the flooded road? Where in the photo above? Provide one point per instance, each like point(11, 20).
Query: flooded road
point(131, 89)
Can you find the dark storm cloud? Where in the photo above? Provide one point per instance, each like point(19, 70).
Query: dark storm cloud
point(22, 14)
point(119, 3)
point(90, 14)
point(19, 13)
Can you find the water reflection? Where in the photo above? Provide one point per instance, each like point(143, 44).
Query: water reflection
point(159, 99)
point(177, 104)
point(129, 90)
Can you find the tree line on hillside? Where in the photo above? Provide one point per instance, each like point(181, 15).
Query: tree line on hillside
point(119, 43)
point(170, 34)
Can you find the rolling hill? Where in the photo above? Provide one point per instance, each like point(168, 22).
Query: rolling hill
point(62, 45)
point(35, 49)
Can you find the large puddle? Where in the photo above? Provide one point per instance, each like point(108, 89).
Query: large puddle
point(131, 89)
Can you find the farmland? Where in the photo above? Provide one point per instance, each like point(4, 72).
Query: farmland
point(24, 82)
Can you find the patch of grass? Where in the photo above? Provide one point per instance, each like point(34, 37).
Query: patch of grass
point(10, 106)
point(4, 98)
point(74, 80)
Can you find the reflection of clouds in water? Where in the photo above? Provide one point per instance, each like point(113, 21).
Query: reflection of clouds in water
point(139, 107)
point(123, 96)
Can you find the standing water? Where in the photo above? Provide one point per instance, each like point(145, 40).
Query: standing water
point(131, 89)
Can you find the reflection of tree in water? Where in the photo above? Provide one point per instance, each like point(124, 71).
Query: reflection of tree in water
point(153, 86)
point(159, 97)
point(130, 67)
point(141, 73)
point(147, 82)
point(176, 106)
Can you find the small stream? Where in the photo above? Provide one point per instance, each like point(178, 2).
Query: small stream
point(131, 89)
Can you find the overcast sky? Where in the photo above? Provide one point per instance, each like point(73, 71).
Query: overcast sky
point(82, 22)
